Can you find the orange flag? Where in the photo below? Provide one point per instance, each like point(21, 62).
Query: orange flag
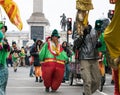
point(13, 13)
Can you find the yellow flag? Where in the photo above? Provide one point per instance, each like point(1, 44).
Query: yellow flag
point(12, 11)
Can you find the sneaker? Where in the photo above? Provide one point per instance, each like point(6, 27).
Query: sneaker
point(47, 89)
point(53, 91)
point(31, 76)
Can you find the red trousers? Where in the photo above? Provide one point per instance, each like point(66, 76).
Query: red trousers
point(52, 74)
point(116, 82)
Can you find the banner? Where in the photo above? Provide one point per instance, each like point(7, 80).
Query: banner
point(13, 13)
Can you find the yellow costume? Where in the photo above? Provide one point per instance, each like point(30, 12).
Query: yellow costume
point(112, 33)
point(112, 40)
point(83, 7)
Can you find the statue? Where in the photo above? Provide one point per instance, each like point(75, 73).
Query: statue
point(83, 7)
point(63, 22)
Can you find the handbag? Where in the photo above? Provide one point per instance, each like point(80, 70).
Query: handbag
point(112, 1)
point(31, 60)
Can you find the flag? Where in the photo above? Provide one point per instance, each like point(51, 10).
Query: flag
point(13, 13)
point(1, 1)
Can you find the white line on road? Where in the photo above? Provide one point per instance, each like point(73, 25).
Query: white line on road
point(41, 87)
point(102, 92)
point(21, 78)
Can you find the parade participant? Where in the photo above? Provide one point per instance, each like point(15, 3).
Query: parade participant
point(100, 26)
point(52, 57)
point(83, 7)
point(15, 55)
point(4, 49)
point(112, 41)
point(88, 57)
point(48, 38)
point(31, 60)
point(67, 65)
point(22, 56)
point(35, 49)
point(4, 29)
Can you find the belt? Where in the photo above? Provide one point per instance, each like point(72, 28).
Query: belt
point(54, 60)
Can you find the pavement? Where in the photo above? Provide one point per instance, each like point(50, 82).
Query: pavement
point(19, 83)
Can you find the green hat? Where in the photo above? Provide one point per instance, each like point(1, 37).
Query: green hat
point(98, 25)
point(55, 33)
point(1, 36)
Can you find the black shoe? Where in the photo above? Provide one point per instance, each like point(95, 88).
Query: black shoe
point(15, 70)
point(112, 82)
point(47, 89)
point(83, 93)
point(36, 79)
point(63, 81)
point(40, 80)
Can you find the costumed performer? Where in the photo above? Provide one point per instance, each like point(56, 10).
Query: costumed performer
point(112, 40)
point(53, 57)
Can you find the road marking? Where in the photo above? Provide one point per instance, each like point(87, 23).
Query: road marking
point(63, 86)
point(102, 92)
point(21, 78)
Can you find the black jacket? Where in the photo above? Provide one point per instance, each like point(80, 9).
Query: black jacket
point(35, 54)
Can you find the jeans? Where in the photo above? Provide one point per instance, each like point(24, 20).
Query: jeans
point(31, 70)
point(3, 79)
point(67, 71)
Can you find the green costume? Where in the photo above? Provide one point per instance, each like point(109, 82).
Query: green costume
point(4, 51)
point(45, 53)
point(103, 48)
point(53, 57)
point(53, 65)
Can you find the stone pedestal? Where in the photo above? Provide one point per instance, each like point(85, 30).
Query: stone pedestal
point(37, 21)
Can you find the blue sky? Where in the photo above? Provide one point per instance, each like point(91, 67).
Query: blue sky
point(53, 9)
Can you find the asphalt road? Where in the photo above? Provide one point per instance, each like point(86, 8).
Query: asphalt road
point(19, 83)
